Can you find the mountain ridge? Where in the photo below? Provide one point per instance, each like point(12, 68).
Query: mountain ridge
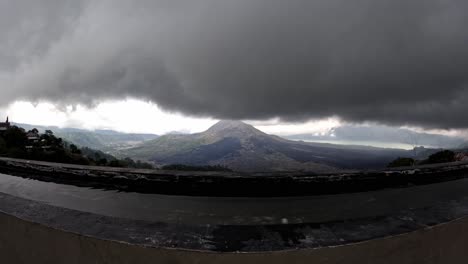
point(242, 147)
point(104, 140)
point(358, 134)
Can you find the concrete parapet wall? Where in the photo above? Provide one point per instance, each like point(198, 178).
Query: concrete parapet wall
point(232, 184)
point(26, 242)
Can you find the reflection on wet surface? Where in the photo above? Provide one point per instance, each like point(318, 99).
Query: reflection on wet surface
point(233, 211)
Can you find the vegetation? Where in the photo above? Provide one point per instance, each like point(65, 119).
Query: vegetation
point(166, 146)
point(401, 162)
point(129, 163)
point(105, 140)
point(182, 167)
point(15, 142)
point(438, 157)
point(441, 157)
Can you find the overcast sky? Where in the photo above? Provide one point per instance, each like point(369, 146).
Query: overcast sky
point(395, 62)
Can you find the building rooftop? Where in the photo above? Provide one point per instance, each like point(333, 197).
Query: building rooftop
point(5, 124)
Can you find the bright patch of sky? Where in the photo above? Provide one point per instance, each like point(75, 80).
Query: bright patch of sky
point(136, 116)
point(316, 127)
point(131, 116)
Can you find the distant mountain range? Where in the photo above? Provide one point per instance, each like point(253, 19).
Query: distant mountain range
point(105, 140)
point(242, 147)
point(353, 134)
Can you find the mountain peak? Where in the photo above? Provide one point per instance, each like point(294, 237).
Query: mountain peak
point(230, 124)
point(233, 128)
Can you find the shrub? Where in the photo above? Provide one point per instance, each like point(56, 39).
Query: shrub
point(401, 162)
point(441, 157)
point(182, 167)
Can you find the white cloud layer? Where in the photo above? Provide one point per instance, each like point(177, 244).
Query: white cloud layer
point(132, 116)
point(135, 116)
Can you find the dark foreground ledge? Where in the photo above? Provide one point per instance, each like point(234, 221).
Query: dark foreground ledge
point(233, 238)
point(33, 232)
point(230, 183)
point(25, 242)
point(425, 224)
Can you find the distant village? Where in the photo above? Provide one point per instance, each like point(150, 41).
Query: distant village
point(15, 142)
point(34, 140)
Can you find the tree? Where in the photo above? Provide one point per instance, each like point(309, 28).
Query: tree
point(144, 165)
point(442, 157)
point(183, 167)
point(3, 147)
point(129, 163)
point(74, 149)
point(15, 137)
point(401, 162)
point(102, 162)
point(14, 142)
point(116, 163)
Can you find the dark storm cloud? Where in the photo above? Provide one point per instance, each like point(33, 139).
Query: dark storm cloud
point(390, 61)
point(28, 28)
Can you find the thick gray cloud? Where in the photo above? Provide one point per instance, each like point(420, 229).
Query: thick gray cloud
point(390, 61)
